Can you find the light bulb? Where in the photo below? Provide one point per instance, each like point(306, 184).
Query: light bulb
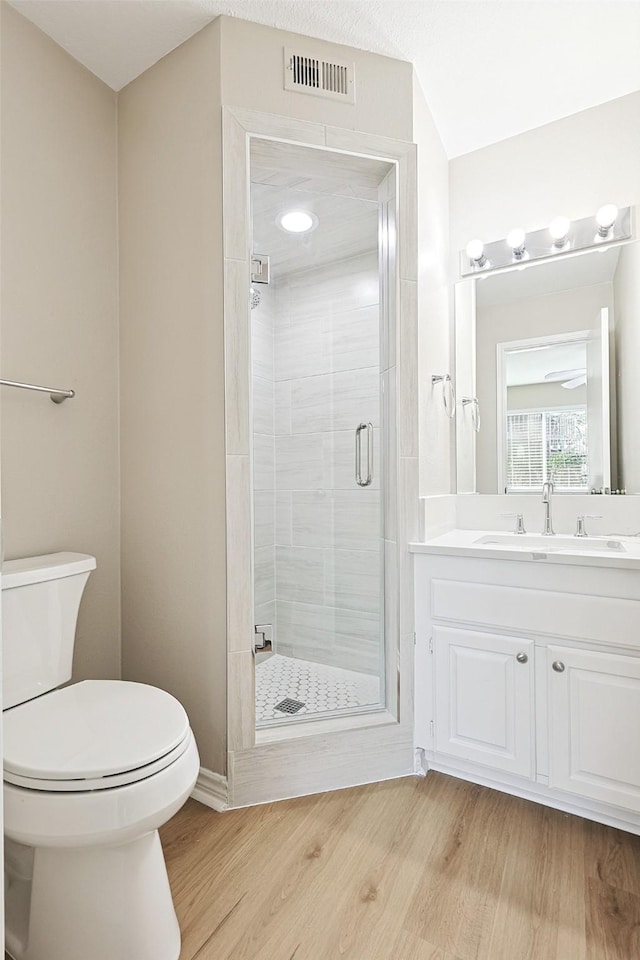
point(297, 221)
point(605, 218)
point(559, 230)
point(516, 239)
point(475, 252)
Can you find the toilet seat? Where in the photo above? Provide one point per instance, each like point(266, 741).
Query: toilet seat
point(98, 783)
point(93, 735)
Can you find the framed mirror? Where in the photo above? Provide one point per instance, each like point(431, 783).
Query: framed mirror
point(550, 354)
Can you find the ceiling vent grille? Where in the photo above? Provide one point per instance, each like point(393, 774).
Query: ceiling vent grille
point(322, 78)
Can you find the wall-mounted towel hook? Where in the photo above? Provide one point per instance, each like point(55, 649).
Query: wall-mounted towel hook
point(448, 393)
point(475, 411)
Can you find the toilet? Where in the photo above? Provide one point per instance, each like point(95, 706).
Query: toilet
point(91, 771)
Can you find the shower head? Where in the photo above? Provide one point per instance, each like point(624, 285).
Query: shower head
point(256, 297)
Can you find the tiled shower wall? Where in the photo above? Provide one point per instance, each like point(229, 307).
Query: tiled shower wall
point(318, 571)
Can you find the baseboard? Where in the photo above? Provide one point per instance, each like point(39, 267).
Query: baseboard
point(420, 765)
point(212, 790)
point(540, 793)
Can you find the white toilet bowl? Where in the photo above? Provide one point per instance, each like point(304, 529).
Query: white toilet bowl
point(91, 772)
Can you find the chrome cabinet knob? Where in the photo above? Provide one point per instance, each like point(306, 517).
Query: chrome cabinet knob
point(522, 658)
point(558, 666)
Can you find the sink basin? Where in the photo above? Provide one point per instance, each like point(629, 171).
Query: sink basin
point(552, 544)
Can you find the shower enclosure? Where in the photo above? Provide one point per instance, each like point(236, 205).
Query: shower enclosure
point(321, 461)
point(317, 333)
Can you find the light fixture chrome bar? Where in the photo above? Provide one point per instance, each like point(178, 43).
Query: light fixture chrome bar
point(539, 245)
point(56, 395)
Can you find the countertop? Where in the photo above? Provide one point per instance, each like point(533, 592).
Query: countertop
point(620, 552)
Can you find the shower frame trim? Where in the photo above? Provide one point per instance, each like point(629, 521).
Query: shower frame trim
point(335, 753)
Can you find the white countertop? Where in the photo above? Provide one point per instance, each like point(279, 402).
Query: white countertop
point(621, 552)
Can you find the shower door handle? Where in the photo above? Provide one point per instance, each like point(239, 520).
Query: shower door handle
point(359, 431)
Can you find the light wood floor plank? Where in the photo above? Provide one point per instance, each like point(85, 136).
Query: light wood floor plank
point(378, 866)
point(613, 922)
point(413, 869)
point(541, 901)
point(456, 902)
point(612, 858)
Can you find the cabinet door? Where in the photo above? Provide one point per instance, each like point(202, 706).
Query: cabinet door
point(594, 725)
point(484, 699)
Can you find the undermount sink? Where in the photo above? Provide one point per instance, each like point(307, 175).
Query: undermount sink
point(552, 544)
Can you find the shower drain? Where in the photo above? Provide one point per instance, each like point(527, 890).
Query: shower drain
point(289, 706)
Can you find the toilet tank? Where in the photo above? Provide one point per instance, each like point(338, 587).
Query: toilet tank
point(40, 602)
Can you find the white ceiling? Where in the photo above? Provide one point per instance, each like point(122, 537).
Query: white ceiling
point(490, 69)
point(534, 366)
point(341, 191)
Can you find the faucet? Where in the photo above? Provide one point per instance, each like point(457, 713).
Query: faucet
point(547, 492)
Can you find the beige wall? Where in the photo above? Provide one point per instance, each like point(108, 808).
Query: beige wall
point(534, 396)
point(437, 434)
point(59, 322)
point(569, 167)
point(626, 289)
point(172, 386)
point(252, 71)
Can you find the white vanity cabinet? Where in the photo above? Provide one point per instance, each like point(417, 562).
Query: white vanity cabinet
point(528, 680)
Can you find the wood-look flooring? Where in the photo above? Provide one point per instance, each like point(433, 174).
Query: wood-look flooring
point(416, 869)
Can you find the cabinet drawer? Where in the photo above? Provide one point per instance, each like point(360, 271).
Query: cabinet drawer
point(540, 612)
point(484, 699)
point(594, 725)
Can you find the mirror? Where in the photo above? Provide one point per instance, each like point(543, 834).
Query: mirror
point(549, 352)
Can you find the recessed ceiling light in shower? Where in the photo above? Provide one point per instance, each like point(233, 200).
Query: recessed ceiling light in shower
point(297, 221)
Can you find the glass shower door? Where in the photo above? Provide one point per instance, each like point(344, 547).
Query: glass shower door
point(317, 375)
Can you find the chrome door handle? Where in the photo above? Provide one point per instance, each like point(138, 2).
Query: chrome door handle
point(359, 430)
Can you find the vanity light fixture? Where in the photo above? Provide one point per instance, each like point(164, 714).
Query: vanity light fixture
point(516, 240)
point(606, 218)
point(475, 252)
point(297, 221)
point(562, 238)
point(559, 230)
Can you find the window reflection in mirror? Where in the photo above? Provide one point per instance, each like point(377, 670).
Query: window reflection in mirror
point(552, 353)
point(545, 388)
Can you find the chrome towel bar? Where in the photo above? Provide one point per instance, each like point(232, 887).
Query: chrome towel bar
point(56, 395)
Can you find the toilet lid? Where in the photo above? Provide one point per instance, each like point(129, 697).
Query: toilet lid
point(92, 730)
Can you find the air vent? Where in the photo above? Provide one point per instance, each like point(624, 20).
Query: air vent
point(322, 78)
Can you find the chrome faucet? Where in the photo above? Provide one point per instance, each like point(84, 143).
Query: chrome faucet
point(547, 493)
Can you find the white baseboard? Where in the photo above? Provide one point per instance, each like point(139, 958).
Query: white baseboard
point(540, 793)
point(212, 790)
point(420, 765)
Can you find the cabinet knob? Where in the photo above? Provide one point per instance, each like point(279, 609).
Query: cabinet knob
point(558, 666)
point(522, 658)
